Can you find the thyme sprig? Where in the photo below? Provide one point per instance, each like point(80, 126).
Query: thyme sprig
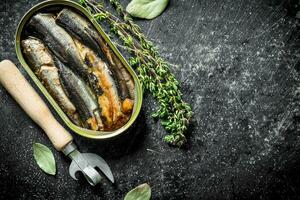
point(153, 71)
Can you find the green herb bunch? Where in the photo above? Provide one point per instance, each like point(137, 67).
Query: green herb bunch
point(153, 71)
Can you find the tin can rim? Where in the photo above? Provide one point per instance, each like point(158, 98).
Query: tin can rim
point(81, 131)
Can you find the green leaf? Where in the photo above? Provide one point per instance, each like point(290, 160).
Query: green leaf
point(44, 158)
point(141, 192)
point(146, 9)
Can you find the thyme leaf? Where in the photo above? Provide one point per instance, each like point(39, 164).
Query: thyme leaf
point(153, 71)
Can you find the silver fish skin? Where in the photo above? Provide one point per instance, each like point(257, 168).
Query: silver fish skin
point(81, 95)
point(83, 30)
point(80, 28)
point(59, 42)
point(41, 62)
point(108, 100)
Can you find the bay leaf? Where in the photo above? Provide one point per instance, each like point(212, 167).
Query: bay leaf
point(146, 9)
point(44, 158)
point(141, 192)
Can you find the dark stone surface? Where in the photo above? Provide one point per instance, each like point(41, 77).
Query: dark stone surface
point(238, 62)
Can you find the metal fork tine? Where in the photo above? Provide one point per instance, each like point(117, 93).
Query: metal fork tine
point(73, 169)
point(97, 161)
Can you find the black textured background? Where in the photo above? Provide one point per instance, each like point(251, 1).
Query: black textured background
point(238, 63)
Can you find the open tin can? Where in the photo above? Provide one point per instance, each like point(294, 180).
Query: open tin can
point(59, 4)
